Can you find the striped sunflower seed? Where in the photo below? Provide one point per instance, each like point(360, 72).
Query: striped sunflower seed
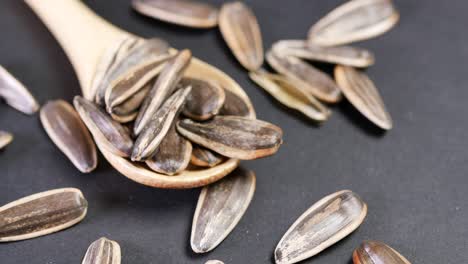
point(163, 88)
point(220, 207)
point(103, 251)
point(64, 126)
point(203, 157)
point(16, 94)
point(5, 139)
point(354, 21)
point(363, 94)
point(241, 32)
point(128, 110)
point(187, 13)
point(234, 136)
point(205, 100)
point(235, 105)
point(313, 81)
point(322, 225)
point(41, 214)
point(374, 252)
point(106, 131)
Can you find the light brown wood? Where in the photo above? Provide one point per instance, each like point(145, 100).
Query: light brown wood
point(85, 36)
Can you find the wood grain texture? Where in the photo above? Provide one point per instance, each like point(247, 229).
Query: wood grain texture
point(220, 207)
point(16, 94)
point(322, 225)
point(5, 139)
point(204, 101)
point(103, 251)
point(375, 252)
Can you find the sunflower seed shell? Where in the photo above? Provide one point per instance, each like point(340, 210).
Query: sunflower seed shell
point(128, 110)
point(103, 251)
point(203, 157)
point(214, 262)
point(16, 94)
point(236, 106)
point(205, 100)
point(374, 252)
point(5, 139)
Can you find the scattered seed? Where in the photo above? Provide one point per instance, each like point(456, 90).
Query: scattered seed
point(64, 126)
point(234, 136)
point(205, 100)
point(5, 139)
point(354, 21)
point(214, 262)
point(313, 81)
point(164, 86)
point(322, 225)
point(106, 131)
point(241, 32)
point(16, 94)
point(128, 110)
point(290, 94)
point(155, 131)
point(103, 251)
point(374, 252)
point(41, 214)
point(363, 94)
point(235, 105)
point(220, 207)
point(203, 157)
point(344, 55)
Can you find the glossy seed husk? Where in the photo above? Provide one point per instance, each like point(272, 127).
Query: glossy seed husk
point(362, 93)
point(354, 21)
point(108, 132)
point(153, 133)
point(220, 207)
point(234, 136)
point(204, 101)
point(204, 157)
point(189, 13)
point(162, 89)
point(5, 139)
point(344, 55)
point(64, 126)
point(322, 225)
point(236, 106)
point(103, 251)
point(312, 80)
point(41, 214)
point(241, 32)
point(16, 94)
point(128, 110)
point(290, 94)
point(375, 252)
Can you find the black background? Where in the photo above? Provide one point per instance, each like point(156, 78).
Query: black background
point(413, 177)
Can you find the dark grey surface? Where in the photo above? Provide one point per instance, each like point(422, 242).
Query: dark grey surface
point(414, 178)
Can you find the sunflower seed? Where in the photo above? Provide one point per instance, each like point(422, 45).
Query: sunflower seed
point(181, 12)
point(354, 21)
point(374, 252)
point(173, 154)
point(220, 207)
point(128, 110)
point(106, 131)
point(204, 157)
point(205, 100)
point(103, 251)
point(235, 105)
point(16, 94)
point(344, 55)
point(155, 131)
point(241, 32)
point(234, 136)
point(64, 126)
point(41, 214)
point(322, 225)
point(164, 86)
point(5, 139)
point(313, 81)
point(214, 262)
point(290, 94)
point(363, 94)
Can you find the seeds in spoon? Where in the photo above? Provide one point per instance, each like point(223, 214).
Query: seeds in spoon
point(41, 214)
point(363, 94)
point(290, 94)
point(241, 32)
point(204, 157)
point(64, 126)
point(155, 131)
point(234, 136)
point(163, 88)
point(205, 100)
point(16, 94)
point(220, 207)
point(374, 252)
point(354, 21)
point(322, 225)
point(103, 251)
point(5, 139)
point(344, 55)
point(128, 110)
point(106, 131)
point(181, 12)
point(173, 154)
point(235, 105)
point(312, 80)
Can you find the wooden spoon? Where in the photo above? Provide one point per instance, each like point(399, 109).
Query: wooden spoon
point(85, 36)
